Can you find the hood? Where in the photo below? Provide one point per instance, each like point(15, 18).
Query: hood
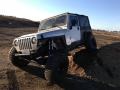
point(51, 33)
point(46, 33)
point(28, 35)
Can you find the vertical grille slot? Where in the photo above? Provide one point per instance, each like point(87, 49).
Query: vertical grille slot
point(29, 43)
point(25, 43)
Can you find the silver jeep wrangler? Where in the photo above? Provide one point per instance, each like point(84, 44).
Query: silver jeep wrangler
point(55, 37)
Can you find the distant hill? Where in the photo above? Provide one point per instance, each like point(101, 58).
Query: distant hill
point(14, 22)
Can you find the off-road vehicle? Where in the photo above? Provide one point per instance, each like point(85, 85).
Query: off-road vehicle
point(55, 37)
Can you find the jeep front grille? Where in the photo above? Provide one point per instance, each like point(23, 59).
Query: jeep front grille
point(25, 43)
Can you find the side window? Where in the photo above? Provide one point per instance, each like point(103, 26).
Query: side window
point(74, 21)
point(84, 22)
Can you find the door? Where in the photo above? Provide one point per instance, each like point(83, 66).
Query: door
point(73, 35)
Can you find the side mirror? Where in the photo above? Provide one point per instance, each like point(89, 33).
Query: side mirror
point(70, 27)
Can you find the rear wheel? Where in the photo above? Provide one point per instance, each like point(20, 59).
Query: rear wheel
point(17, 61)
point(90, 42)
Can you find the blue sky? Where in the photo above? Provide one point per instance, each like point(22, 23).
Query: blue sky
point(103, 14)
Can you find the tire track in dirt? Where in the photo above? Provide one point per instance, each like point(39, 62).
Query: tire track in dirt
point(12, 79)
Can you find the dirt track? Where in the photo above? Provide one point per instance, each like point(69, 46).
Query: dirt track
point(101, 74)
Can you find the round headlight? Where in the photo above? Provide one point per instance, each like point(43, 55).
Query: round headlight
point(15, 43)
point(34, 40)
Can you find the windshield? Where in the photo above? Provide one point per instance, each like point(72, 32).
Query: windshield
point(53, 22)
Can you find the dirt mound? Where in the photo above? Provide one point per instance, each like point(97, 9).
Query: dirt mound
point(14, 22)
point(109, 56)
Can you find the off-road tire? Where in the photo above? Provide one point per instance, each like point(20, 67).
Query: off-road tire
point(16, 60)
point(89, 41)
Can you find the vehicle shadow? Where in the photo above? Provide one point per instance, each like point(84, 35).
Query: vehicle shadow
point(73, 82)
point(34, 70)
point(70, 82)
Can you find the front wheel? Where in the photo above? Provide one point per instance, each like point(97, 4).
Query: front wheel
point(15, 59)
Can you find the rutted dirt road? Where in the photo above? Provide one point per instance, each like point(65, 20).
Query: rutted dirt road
point(103, 74)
